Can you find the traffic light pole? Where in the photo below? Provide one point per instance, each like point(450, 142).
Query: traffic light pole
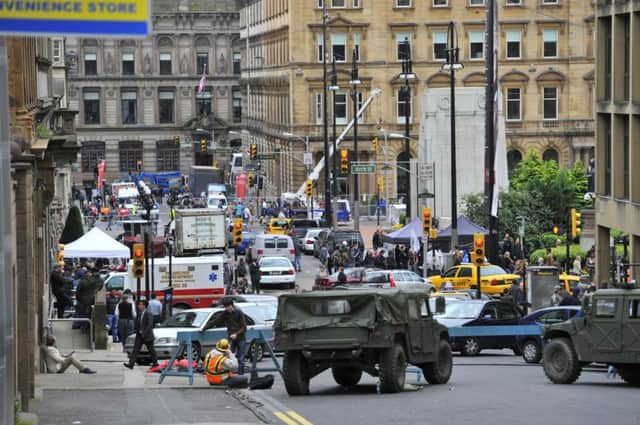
point(146, 264)
point(568, 236)
point(478, 288)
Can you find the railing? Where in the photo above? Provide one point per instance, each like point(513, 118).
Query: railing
point(560, 125)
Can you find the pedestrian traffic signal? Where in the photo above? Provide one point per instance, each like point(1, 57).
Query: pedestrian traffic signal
point(309, 188)
point(344, 161)
point(250, 179)
point(253, 152)
point(575, 223)
point(260, 182)
point(237, 231)
point(203, 146)
point(478, 253)
point(375, 145)
point(60, 254)
point(426, 220)
point(138, 260)
point(380, 184)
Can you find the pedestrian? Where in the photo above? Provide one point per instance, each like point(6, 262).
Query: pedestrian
point(234, 320)
point(556, 297)
point(342, 277)
point(241, 271)
point(517, 295)
point(577, 266)
point(298, 254)
point(228, 277)
point(88, 286)
point(112, 319)
point(57, 363)
point(125, 314)
point(570, 299)
point(110, 216)
point(254, 271)
point(144, 336)
point(220, 366)
point(59, 288)
point(155, 308)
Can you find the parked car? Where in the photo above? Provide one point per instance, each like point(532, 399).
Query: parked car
point(531, 346)
point(267, 245)
point(277, 271)
point(320, 240)
point(308, 241)
point(480, 313)
point(360, 277)
point(494, 280)
point(258, 316)
point(248, 238)
point(336, 238)
point(355, 276)
point(279, 226)
point(299, 226)
point(249, 298)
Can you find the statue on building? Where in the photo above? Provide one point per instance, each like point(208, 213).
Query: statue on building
point(109, 67)
point(147, 64)
point(222, 64)
point(183, 64)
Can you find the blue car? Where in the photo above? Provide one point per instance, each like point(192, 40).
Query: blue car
point(531, 346)
point(248, 238)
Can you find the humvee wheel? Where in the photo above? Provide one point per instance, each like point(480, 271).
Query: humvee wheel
point(393, 363)
point(439, 372)
point(346, 376)
point(561, 363)
point(630, 374)
point(471, 347)
point(295, 374)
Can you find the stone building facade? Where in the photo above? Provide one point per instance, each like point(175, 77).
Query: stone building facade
point(139, 100)
point(546, 64)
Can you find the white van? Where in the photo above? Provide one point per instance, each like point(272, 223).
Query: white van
point(236, 163)
point(217, 201)
point(270, 245)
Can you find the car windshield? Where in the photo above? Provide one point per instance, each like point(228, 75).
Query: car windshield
point(279, 223)
point(261, 312)
point(348, 237)
point(491, 270)
point(186, 319)
point(274, 262)
point(461, 310)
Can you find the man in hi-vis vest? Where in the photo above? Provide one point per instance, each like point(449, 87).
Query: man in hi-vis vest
point(220, 365)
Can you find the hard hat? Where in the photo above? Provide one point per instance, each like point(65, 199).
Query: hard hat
point(222, 345)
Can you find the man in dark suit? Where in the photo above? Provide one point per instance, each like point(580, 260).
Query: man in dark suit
point(144, 335)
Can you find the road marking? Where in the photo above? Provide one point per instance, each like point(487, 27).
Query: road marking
point(284, 418)
point(298, 418)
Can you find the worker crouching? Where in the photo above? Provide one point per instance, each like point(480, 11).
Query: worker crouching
point(220, 365)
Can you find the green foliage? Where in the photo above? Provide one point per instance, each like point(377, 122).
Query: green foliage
point(73, 228)
point(560, 252)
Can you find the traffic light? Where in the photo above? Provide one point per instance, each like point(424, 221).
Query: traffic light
point(253, 153)
point(203, 146)
point(575, 223)
point(555, 229)
point(176, 141)
point(380, 184)
point(215, 163)
point(260, 182)
point(138, 260)
point(478, 254)
point(237, 231)
point(375, 145)
point(139, 165)
point(250, 179)
point(344, 161)
point(426, 220)
point(309, 188)
point(60, 254)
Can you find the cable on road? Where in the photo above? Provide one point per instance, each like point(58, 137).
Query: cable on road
point(254, 405)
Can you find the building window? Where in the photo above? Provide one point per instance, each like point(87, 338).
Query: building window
point(356, 45)
point(626, 43)
point(340, 112)
point(549, 1)
point(550, 43)
point(166, 106)
point(514, 104)
point(513, 2)
point(203, 101)
point(91, 99)
point(513, 44)
point(550, 103)
point(237, 104)
point(339, 47)
point(128, 64)
point(356, 4)
point(360, 103)
point(165, 63)
point(320, 47)
point(439, 45)
point(626, 159)
point(403, 46)
point(202, 63)
point(318, 108)
point(90, 64)
point(57, 51)
point(476, 45)
point(403, 3)
point(440, 3)
point(129, 108)
point(608, 157)
point(320, 4)
point(237, 57)
point(167, 155)
point(550, 155)
point(476, 3)
point(608, 57)
point(91, 153)
point(403, 107)
point(513, 159)
point(338, 3)
point(130, 154)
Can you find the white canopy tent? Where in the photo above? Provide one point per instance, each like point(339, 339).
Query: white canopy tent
point(96, 244)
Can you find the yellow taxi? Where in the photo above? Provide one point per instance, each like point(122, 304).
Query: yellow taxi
point(494, 280)
point(451, 294)
point(279, 226)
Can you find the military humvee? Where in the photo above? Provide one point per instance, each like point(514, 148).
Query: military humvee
point(355, 331)
point(608, 332)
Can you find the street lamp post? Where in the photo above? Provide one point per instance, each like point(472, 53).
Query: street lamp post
point(451, 65)
point(355, 81)
point(325, 122)
point(334, 88)
point(407, 74)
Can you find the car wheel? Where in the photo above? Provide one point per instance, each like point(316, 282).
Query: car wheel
point(295, 373)
point(292, 285)
point(439, 371)
point(531, 351)
point(256, 351)
point(470, 347)
point(630, 374)
point(196, 351)
point(346, 376)
point(393, 363)
point(561, 363)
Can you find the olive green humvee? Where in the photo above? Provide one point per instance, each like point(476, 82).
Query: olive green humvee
point(355, 331)
point(608, 332)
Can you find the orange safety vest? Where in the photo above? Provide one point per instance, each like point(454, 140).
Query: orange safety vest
point(213, 368)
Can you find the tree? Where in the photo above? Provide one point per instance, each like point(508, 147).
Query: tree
point(73, 228)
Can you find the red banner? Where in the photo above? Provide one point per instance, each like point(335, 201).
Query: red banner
point(241, 186)
point(101, 166)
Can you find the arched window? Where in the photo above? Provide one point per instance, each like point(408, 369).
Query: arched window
point(203, 45)
point(513, 159)
point(130, 154)
point(91, 153)
point(551, 155)
point(167, 155)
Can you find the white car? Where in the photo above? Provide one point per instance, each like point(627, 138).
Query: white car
point(277, 271)
point(308, 239)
